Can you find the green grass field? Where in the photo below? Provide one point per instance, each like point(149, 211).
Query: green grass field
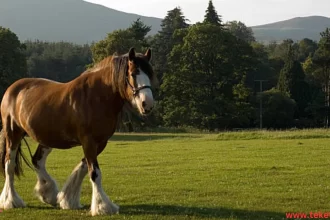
point(240, 175)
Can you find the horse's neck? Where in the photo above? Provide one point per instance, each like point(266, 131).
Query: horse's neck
point(100, 86)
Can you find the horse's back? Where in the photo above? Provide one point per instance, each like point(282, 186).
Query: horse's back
point(29, 101)
point(25, 84)
point(30, 90)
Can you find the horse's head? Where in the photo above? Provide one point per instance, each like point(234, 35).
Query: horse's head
point(140, 79)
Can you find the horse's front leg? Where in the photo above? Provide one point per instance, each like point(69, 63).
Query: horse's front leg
point(101, 204)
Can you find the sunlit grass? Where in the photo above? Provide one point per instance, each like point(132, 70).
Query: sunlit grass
point(231, 175)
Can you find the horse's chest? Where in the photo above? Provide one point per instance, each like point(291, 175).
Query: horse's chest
point(104, 123)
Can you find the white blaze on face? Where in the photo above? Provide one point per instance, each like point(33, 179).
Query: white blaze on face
point(144, 100)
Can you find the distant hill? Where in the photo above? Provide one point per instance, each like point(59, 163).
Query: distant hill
point(83, 22)
point(295, 28)
point(65, 20)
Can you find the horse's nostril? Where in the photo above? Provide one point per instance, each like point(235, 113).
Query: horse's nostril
point(144, 104)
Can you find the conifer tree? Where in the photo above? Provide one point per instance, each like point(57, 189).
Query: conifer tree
point(292, 81)
point(212, 16)
point(164, 41)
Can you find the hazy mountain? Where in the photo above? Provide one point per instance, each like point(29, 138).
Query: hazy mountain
point(83, 22)
point(295, 28)
point(65, 20)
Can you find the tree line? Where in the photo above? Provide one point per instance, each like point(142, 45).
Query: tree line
point(210, 72)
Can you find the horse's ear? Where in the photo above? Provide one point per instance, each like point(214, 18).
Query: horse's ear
point(148, 54)
point(131, 54)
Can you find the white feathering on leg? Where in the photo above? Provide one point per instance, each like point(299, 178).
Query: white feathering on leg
point(46, 187)
point(9, 197)
point(69, 197)
point(101, 204)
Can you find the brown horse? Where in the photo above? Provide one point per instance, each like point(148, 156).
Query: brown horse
point(83, 112)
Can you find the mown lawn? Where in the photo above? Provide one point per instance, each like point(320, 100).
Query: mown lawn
point(239, 175)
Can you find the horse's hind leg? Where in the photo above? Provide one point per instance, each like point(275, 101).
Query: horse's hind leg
point(9, 197)
point(69, 197)
point(46, 188)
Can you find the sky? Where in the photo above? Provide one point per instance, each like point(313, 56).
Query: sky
point(250, 12)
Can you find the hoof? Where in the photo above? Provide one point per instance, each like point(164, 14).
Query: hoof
point(105, 209)
point(66, 203)
point(47, 192)
point(11, 203)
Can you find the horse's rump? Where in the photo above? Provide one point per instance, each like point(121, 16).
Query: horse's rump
point(39, 107)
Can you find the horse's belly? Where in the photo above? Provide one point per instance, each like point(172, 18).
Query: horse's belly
point(53, 139)
point(54, 142)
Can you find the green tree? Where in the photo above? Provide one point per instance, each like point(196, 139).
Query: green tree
point(205, 83)
point(292, 82)
point(211, 15)
point(139, 30)
point(308, 65)
point(285, 76)
point(60, 61)
point(291, 73)
point(12, 59)
point(173, 29)
point(306, 47)
point(321, 59)
point(119, 41)
point(163, 42)
point(240, 30)
point(279, 51)
point(271, 47)
point(263, 69)
point(316, 109)
point(278, 109)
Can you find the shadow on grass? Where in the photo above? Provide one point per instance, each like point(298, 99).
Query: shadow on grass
point(199, 212)
point(41, 207)
point(147, 137)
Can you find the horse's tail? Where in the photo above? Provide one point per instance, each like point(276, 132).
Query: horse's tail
point(2, 151)
point(19, 155)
